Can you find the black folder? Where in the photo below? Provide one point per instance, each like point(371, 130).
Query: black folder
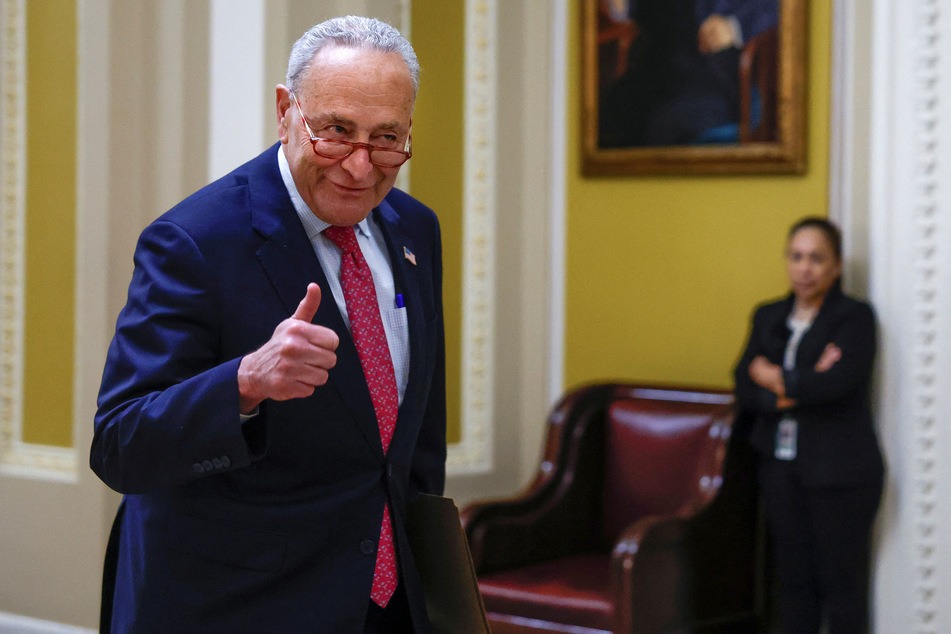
point(442, 556)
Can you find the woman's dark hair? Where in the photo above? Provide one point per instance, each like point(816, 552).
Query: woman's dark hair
point(828, 229)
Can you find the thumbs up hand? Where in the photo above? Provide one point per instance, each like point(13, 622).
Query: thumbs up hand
point(309, 305)
point(294, 361)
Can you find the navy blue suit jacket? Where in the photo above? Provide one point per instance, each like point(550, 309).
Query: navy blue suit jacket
point(271, 525)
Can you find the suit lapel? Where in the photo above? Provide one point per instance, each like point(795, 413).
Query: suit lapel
point(406, 280)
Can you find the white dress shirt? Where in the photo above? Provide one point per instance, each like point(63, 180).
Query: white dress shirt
point(373, 246)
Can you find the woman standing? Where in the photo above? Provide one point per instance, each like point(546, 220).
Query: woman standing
point(804, 378)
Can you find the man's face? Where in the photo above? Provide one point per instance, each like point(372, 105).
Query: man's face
point(354, 95)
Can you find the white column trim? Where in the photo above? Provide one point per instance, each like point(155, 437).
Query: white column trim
point(557, 200)
point(909, 264)
point(925, 352)
point(12, 222)
point(236, 81)
point(405, 27)
point(473, 454)
point(17, 624)
point(841, 130)
point(406, 18)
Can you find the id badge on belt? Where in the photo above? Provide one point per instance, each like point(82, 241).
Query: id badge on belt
point(786, 439)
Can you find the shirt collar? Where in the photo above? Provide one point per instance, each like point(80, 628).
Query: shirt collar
point(312, 224)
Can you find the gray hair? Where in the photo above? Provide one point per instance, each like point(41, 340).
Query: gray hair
point(351, 31)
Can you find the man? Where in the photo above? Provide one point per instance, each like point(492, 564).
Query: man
point(265, 478)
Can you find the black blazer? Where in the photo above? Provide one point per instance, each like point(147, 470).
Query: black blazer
point(271, 525)
point(837, 444)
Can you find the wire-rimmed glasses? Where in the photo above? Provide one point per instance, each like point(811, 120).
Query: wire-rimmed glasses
point(339, 149)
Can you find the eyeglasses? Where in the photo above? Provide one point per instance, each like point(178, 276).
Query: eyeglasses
point(337, 149)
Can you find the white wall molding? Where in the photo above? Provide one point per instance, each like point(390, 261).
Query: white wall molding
point(406, 18)
point(12, 220)
point(473, 454)
point(842, 132)
point(235, 83)
point(17, 458)
point(557, 200)
point(890, 178)
point(15, 624)
point(40, 462)
point(405, 26)
point(927, 149)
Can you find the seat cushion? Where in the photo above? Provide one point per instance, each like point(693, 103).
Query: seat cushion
point(572, 590)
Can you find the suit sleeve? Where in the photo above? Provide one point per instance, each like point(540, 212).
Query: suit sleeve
point(168, 407)
point(854, 334)
point(749, 395)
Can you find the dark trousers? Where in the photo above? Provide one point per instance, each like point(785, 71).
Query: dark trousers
point(821, 542)
point(394, 619)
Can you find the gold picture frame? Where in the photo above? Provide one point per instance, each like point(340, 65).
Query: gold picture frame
point(770, 130)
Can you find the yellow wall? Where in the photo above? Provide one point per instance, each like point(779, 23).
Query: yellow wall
point(436, 172)
point(663, 272)
point(50, 221)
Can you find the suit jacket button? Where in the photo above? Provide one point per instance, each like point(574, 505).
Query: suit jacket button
point(207, 465)
point(225, 461)
point(217, 463)
point(367, 547)
point(197, 468)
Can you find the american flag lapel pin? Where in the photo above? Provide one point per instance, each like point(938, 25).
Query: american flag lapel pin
point(409, 256)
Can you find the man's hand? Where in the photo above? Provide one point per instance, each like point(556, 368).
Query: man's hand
point(293, 362)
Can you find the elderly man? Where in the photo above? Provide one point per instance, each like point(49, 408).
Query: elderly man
point(274, 395)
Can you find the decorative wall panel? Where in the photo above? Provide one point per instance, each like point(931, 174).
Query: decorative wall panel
point(17, 457)
point(12, 220)
point(473, 454)
point(926, 146)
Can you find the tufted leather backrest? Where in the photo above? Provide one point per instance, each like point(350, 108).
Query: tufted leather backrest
point(663, 454)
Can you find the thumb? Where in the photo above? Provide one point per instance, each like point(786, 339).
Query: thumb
point(308, 306)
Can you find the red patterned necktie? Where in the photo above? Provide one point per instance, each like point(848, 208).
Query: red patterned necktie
point(370, 340)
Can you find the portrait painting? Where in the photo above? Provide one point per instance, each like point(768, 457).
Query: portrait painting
point(693, 86)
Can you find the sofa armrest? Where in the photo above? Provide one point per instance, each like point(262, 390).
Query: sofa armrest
point(647, 570)
point(546, 522)
point(697, 568)
point(558, 514)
